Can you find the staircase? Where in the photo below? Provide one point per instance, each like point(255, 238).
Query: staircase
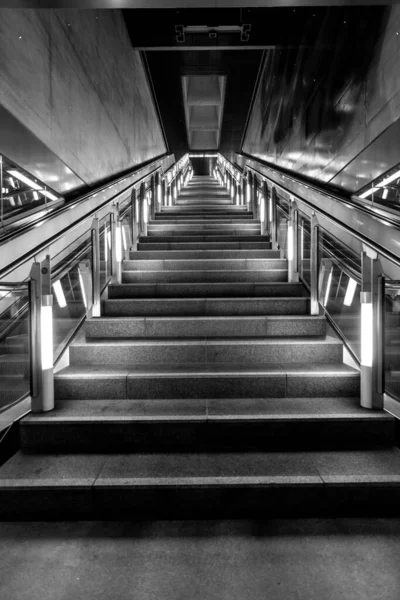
point(204, 391)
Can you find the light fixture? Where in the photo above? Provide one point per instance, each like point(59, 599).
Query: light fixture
point(389, 179)
point(35, 195)
point(48, 195)
point(369, 192)
point(290, 248)
point(366, 334)
point(46, 330)
point(24, 179)
point(124, 243)
point(81, 283)
point(105, 245)
point(328, 287)
point(385, 193)
point(118, 242)
point(350, 291)
point(61, 301)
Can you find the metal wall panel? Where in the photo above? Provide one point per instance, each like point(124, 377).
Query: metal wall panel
point(321, 109)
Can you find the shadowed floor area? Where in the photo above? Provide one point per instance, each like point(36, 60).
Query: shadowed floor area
point(279, 559)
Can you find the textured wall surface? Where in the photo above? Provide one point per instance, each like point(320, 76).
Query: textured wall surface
point(329, 110)
point(71, 78)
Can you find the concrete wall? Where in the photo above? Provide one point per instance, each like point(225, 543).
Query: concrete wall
point(331, 111)
point(79, 94)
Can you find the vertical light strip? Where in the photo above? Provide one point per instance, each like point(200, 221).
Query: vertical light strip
point(46, 326)
point(62, 303)
point(328, 287)
point(350, 291)
point(366, 334)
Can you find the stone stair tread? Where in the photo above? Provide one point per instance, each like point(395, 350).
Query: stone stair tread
point(220, 369)
point(208, 341)
point(190, 255)
point(315, 468)
point(203, 410)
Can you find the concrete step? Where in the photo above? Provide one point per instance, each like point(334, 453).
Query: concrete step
point(200, 276)
point(345, 483)
point(287, 326)
point(184, 210)
point(212, 234)
point(190, 218)
point(206, 351)
point(199, 264)
point(203, 255)
point(200, 201)
point(207, 425)
point(212, 237)
point(203, 245)
point(202, 226)
point(149, 307)
point(83, 382)
point(206, 290)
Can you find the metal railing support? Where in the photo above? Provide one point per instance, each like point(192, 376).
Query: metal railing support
point(372, 339)
point(254, 199)
point(95, 233)
point(133, 223)
point(142, 210)
point(247, 190)
point(273, 220)
point(153, 197)
point(116, 244)
point(314, 266)
point(293, 274)
point(41, 337)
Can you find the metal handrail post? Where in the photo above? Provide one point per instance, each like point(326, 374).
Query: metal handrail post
point(314, 266)
point(41, 337)
point(381, 341)
point(254, 197)
point(142, 210)
point(95, 234)
point(293, 274)
point(273, 216)
point(159, 191)
point(163, 192)
point(372, 339)
point(153, 197)
point(266, 195)
point(116, 244)
point(247, 195)
point(134, 221)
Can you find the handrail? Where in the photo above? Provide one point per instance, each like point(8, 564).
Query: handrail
point(106, 184)
point(359, 236)
point(43, 245)
point(373, 211)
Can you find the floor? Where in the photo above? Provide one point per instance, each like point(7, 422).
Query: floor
point(281, 559)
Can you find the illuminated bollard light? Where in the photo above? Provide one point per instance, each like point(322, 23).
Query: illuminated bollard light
point(41, 337)
point(371, 331)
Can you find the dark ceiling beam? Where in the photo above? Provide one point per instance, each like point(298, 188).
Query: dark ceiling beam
point(146, 4)
point(208, 48)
